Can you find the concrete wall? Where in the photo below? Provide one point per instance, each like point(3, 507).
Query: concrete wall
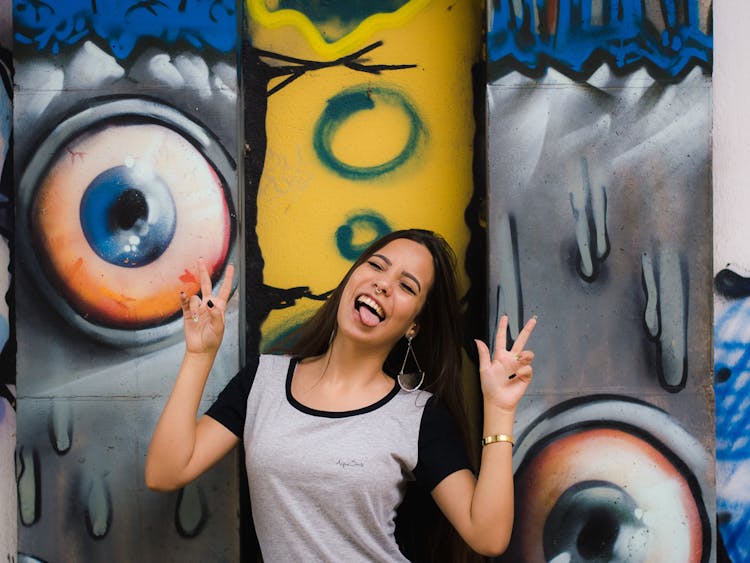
point(124, 109)
point(731, 271)
point(599, 222)
point(599, 151)
point(8, 530)
point(125, 150)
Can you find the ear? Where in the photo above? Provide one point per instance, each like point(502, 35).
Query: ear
point(413, 330)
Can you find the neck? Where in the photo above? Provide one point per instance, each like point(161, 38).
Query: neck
point(352, 362)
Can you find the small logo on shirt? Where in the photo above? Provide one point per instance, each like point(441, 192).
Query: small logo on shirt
point(347, 463)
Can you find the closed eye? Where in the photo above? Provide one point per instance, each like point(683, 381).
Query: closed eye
point(375, 265)
point(406, 287)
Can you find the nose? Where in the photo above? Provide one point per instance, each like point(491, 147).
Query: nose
point(381, 288)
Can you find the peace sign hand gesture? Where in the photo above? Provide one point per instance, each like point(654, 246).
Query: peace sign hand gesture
point(506, 375)
point(204, 317)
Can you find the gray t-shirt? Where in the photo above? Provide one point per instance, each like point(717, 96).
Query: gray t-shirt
point(324, 486)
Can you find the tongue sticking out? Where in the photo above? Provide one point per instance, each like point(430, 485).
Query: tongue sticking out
point(368, 317)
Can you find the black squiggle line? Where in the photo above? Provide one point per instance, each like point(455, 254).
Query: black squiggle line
point(298, 67)
point(288, 297)
point(147, 5)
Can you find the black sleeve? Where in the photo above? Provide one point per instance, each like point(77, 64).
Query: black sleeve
point(441, 448)
point(230, 406)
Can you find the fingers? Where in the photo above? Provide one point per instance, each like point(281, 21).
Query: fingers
point(205, 279)
point(501, 335)
point(525, 357)
point(484, 354)
point(189, 306)
point(185, 303)
point(520, 342)
point(226, 285)
point(525, 372)
point(524, 335)
point(194, 306)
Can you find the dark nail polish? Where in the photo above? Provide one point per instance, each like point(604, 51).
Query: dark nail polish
point(210, 304)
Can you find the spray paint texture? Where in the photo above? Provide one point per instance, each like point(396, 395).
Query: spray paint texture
point(167, 63)
point(131, 102)
point(731, 377)
point(356, 142)
point(599, 163)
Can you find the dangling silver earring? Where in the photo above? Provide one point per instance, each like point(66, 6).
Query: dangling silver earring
point(407, 380)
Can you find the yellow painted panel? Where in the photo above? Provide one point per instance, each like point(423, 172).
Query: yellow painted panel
point(372, 152)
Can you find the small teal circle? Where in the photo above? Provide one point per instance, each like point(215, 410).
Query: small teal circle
point(370, 224)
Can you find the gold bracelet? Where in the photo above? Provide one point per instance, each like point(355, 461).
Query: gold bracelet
point(498, 438)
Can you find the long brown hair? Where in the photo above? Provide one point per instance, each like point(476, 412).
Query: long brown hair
point(438, 341)
point(438, 348)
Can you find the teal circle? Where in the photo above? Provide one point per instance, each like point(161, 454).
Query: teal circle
point(344, 105)
point(370, 221)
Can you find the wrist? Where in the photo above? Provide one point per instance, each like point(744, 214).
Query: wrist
point(193, 357)
point(498, 420)
point(491, 408)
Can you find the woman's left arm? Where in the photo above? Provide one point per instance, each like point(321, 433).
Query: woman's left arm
point(481, 509)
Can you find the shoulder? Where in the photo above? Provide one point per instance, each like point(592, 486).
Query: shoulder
point(436, 416)
point(441, 446)
point(230, 407)
point(272, 365)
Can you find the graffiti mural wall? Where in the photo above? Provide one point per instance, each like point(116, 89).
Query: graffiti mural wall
point(8, 532)
point(125, 175)
point(600, 208)
point(732, 283)
point(344, 122)
point(361, 119)
point(353, 124)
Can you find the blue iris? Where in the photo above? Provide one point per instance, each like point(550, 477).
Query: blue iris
point(128, 218)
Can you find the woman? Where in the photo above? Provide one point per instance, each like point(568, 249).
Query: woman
point(331, 439)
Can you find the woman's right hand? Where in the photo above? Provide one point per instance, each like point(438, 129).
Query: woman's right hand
point(204, 317)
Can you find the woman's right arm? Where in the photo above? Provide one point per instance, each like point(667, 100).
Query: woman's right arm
point(182, 447)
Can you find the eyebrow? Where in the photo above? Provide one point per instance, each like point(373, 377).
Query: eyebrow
point(405, 274)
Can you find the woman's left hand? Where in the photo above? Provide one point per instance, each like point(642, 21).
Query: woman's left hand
point(507, 373)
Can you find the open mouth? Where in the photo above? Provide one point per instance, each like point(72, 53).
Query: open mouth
point(369, 310)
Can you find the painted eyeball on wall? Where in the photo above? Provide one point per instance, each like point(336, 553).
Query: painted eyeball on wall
point(610, 480)
point(115, 208)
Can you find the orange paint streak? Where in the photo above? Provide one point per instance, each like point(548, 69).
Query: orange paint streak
point(188, 277)
point(76, 267)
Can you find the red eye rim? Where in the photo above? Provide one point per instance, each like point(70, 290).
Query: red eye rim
point(118, 111)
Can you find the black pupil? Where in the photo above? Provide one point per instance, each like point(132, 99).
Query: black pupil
point(128, 209)
point(597, 537)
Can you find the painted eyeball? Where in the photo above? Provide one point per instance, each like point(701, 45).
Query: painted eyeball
point(610, 481)
point(119, 203)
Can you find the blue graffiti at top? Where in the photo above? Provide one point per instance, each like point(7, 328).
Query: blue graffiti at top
point(533, 35)
point(49, 25)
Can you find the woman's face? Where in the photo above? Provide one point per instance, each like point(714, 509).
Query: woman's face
point(385, 293)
